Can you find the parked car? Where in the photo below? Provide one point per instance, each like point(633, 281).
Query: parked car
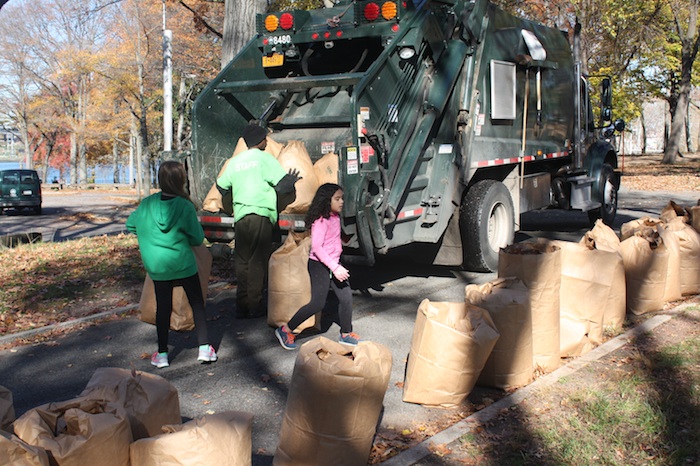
point(20, 189)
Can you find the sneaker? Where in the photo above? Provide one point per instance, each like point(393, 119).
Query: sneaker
point(160, 360)
point(351, 339)
point(286, 339)
point(206, 354)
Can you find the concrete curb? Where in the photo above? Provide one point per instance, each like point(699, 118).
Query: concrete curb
point(453, 433)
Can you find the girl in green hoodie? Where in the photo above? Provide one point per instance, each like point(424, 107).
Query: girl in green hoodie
point(167, 227)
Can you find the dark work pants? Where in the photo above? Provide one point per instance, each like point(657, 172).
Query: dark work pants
point(321, 282)
point(164, 308)
point(251, 255)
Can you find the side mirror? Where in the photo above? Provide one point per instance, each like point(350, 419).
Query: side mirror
point(606, 93)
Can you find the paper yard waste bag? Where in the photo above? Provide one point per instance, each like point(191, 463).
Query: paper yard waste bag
point(510, 363)
point(221, 439)
point(78, 432)
point(289, 285)
point(586, 279)
point(574, 335)
point(7, 410)
point(15, 452)
point(334, 402)
point(326, 169)
point(294, 155)
point(149, 400)
point(451, 343)
point(646, 266)
point(695, 217)
point(602, 238)
point(538, 265)
point(672, 289)
point(643, 224)
point(181, 318)
point(688, 243)
point(673, 211)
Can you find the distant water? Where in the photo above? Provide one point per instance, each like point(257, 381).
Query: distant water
point(102, 173)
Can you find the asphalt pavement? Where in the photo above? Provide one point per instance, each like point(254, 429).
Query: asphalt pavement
point(253, 372)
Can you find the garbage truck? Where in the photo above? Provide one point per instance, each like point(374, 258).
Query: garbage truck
point(449, 118)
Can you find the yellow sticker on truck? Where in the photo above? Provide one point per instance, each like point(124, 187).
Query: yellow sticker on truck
point(276, 59)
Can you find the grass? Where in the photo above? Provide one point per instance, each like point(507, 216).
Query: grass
point(52, 282)
point(642, 409)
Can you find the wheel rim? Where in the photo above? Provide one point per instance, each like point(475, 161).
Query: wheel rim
point(609, 196)
point(497, 232)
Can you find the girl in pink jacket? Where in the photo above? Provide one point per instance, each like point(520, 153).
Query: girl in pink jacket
point(325, 269)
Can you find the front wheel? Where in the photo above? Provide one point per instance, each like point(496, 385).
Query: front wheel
point(487, 224)
point(605, 191)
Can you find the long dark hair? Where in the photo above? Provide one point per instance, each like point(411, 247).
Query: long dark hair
point(321, 203)
point(172, 178)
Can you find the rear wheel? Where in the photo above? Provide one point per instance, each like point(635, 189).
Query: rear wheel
point(486, 221)
point(606, 191)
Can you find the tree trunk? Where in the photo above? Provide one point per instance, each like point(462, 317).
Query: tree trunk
point(239, 26)
point(688, 132)
point(73, 159)
point(115, 161)
point(644, 132)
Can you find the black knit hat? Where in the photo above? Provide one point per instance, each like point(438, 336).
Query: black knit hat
point(253, 135)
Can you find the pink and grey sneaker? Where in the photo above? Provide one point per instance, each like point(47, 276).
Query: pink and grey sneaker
point(206, 354)
point(351, 339)
point(160, 360)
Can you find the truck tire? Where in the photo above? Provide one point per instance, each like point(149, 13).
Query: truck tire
point(605, 192)
point(486, 222)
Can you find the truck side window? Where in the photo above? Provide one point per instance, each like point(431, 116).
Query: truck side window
point(502, 90)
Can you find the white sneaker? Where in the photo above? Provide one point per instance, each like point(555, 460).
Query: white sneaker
point(206, 354)
point(160, 360)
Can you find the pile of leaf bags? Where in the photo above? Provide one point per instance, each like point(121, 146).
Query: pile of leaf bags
point(14, 451)
point(181, 319)
point(537, 264)
point(292, 155)
point(221, 439)
point(450, 345)
point(682, 236)
point(334, 403)
point(507, 301)
point(289, 285)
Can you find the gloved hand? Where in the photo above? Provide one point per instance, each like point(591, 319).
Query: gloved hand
point(286, 184)
point(294, 173)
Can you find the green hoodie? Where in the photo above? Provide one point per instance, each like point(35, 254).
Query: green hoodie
point(166, 231)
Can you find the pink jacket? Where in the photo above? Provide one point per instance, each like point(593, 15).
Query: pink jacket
point(326, 246)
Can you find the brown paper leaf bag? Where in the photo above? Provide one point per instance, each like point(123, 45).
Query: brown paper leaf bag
point(15, 452)
point(78, 432)
point(289, 285)
point(688, 249)
point(149, 400)
point(646, 267)
point(538, 265)
point(181, 318)
point(510, 363)
point(294, 155)
point(334, 402)
point(326, 169)
point(221, 439)
point(451, 343)
point(602, 238)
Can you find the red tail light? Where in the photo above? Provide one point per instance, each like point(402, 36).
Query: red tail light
point(286, 21)
point(371, 11)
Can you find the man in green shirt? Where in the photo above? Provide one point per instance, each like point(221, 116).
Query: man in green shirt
point(255, 179)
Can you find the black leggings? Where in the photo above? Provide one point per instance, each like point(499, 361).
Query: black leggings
point(321, 282)
point(164, 308)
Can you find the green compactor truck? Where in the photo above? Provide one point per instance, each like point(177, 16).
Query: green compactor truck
point(450, 119)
